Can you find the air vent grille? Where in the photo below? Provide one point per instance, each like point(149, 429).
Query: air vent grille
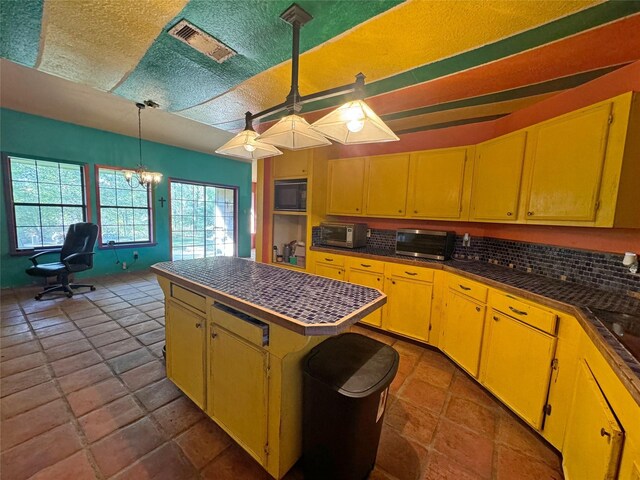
point(203, 42)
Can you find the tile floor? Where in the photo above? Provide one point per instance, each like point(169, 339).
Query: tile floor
point(84, 395)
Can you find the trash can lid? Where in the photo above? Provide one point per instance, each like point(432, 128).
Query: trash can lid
point(353, 364)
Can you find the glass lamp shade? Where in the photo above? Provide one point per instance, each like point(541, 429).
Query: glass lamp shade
point(294, 133)
point(244, 145)
point(354, 122)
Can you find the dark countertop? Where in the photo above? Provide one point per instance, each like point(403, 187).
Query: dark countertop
point(306, 304)
point(592, 307)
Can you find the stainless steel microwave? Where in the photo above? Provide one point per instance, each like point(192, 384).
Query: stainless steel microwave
point(290, 195)
point(348, 235)
point(425, 243)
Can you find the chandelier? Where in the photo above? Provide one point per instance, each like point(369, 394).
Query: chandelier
point(141, 175)
point(352, 123)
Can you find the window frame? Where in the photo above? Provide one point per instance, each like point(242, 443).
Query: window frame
point(118, 245)
point(235, 190)
point(7, 182)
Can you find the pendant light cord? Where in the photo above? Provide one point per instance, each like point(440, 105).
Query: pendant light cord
point(140, 134)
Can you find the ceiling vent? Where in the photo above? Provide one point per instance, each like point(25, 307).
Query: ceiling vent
point(203, 42)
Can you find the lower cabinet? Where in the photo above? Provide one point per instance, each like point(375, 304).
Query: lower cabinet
point(373, 279)
point(593, 439)
point(516, 365)
point(185, 339)
point(462, 330)
point(330, 266)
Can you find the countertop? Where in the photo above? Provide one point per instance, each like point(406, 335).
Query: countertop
point(590, 306)
point(304, 303)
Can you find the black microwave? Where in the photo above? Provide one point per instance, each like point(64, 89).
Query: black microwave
point(425, 243)
point(290, 195)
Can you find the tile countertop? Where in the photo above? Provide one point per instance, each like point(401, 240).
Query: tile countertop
point(582, 302)
point(306, 304)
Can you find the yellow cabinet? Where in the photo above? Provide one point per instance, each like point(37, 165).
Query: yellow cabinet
point(345, 186)
point(368, 273)
point(462, 330)
point(497, 174)
point(593, 439)
point(185, 338)
point(436, 183)
point(409, 298)
point(567, 163)
point(516, 365)
point(330, 271)
point(238, 383)
point(292, 164)
point(386, 185)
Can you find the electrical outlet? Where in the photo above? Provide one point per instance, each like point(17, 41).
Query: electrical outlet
point(368, 233)
point(124, 265)
point(135, 255)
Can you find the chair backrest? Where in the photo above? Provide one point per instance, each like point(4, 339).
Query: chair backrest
point(81, 238)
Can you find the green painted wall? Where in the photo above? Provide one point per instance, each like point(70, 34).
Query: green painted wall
point(37, 137)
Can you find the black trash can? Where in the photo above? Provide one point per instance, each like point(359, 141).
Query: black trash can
point(346, 383)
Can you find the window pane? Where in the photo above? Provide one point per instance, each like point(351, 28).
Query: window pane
point(51, 216)
point(141, 234)
point(107, 196)
point(71, 194)
point(125, 233)
point(109, 233)
point(71, 215)
point(48, 172)
point(23, 170)
point(141, 217)
point(24, 192)
point(27, 216)
point(140, 198)
point(125, 216)
point(53, 236)
point(107, 178)
point(69, 174)
point(121, 182)
point(29, 237)
point(124, 198)
point(108, 216)
point(49, 192)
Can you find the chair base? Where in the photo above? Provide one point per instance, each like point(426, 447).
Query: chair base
point(67, 289)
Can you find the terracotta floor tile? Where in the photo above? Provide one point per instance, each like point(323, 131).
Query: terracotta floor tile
point(150, 338)
point(412, 422)
point(76, 304)
point(16, 339)
point(84, 313)
point(512, 464)
point(423, 394)
point(27, 399)
point(130, 360)
point(49, 322)
point(233, 464)
point(30, 457)
point(85, 377)
point(472, 415)
point(440, 375)
point(133, 295)
point(399, 456)
point(75, 467)
point(30, 424)
point(23, 380)
point(134, 319)
point(109, 337)
point(165, 463)
point(119, 310)
point(55, 329)
point(67, 350)
point(156, 349)
point(56, 340)
point(19, 350)
point(177, 416)
point(125, 446)
point(103, 421)
point(12, 330)
point(142, 376)
point(148, 306)
point(14, 320)
point(119, 348)
point(158, 394)
point(463, 386)
point(20, 364)
point(155, 313)
point(104, 327)
point(110, 300)
point(468, 449)
point(442, 467)
point(32, 306)
point(144, 327)
point(203, 442)
point(44, 314)
point(94, 396)
point(77, 362)
point(91, 321)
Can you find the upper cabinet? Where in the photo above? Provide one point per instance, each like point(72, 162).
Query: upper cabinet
point(386, 185)
point(497, 173)
point(292, 164)
point(345, 186)
point(437, 184)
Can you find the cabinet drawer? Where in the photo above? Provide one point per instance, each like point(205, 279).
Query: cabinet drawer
point(535, 316)
point(469, 288)
point(365, 264)
point(188, 297)
point(243, 325)
point(337, 260)
point(406, 271)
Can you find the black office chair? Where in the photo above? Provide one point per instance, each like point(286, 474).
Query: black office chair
point(76, 255)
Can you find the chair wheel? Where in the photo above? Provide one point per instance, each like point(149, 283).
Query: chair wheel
point(38, 297)
point(69, 294)
point(92, 288)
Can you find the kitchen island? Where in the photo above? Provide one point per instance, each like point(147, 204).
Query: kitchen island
point(237, 332)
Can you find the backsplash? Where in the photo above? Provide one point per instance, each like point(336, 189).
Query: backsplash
point(595, 269)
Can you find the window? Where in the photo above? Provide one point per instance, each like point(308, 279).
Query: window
point(124, 211)
point(203, 220)
point(43, 199)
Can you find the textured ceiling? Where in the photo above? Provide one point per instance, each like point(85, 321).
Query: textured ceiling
point(428, 63)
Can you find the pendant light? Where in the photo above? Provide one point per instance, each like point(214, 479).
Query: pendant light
point(244, 145)
point(141, 175)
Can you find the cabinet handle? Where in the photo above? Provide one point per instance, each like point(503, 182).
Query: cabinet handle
point(357, 209)
point(399, 211)
point(516, 311)
point(198, 324)
point(393, 282)
point(365, 265)
point(329, 259)
point(214, 334)
point(378, 279)
point(530, 214)
point(463, 287)
point(604, 433)
point(478, 309)
point(413, 274)
point(415, 211)
point(497, 319)
point(509, 214)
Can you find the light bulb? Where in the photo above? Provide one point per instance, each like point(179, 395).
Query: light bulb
point(355, 126)
point(249, 147)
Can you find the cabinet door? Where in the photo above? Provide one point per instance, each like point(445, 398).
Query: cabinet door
point(462, 331)
point(373, 280)
point(185, 332)
point(593, 439)
point(238, 396)
point(497, 173)
point(330, 271)
point(516, 366)
point(345, 186)
point(386, 192)
point(408, 310)
point(292, 164)
point(436, 183)
point(567, 166)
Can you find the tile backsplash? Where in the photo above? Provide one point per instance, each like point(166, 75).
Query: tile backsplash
point(595, 269)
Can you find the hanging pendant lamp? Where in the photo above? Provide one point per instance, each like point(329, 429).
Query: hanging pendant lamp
point(244, 145)
point(141, 175)
point(294, 133)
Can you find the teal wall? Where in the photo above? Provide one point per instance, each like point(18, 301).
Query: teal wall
point(38, 137)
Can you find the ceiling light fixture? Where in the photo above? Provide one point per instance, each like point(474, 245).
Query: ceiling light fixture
point(244, 145)
point(141, 175)
point(354, 122)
